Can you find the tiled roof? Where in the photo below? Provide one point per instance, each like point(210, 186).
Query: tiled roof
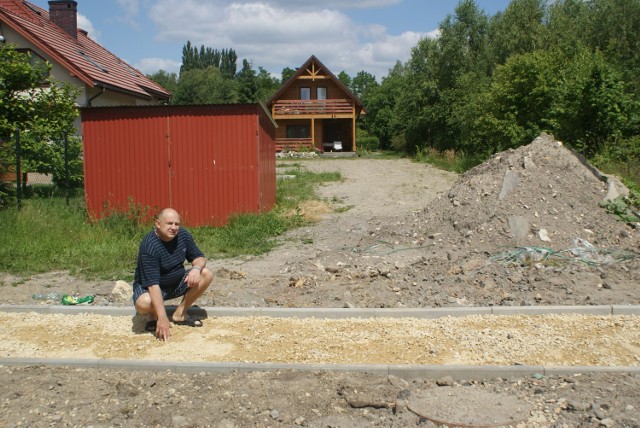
point(84, 58)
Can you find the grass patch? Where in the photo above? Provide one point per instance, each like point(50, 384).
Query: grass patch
point(48, 235)
point(449, 160)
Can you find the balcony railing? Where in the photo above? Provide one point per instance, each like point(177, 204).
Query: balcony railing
point(308, 107)
point(294, 144)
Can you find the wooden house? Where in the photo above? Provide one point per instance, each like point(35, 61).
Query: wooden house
point(315, 111)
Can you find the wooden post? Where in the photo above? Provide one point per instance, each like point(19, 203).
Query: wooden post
point(353, 130)
point(313, 132)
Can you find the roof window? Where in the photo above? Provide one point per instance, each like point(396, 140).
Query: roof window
point(94, 62)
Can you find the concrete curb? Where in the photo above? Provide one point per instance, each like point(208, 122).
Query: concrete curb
point(341, 313)
point(404, 371)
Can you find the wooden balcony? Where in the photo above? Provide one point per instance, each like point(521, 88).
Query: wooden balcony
point(336, 108)
point(294, 144)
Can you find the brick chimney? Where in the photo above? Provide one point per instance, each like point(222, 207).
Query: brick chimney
point(64, 13)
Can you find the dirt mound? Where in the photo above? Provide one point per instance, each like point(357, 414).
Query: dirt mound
point(523, 228)
point(542, 194)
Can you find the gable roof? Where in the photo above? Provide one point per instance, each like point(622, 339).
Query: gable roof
point(320, 66)
point(82, 57)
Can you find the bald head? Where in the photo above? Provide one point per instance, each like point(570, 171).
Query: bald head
point(167, 224)
point(168, 212)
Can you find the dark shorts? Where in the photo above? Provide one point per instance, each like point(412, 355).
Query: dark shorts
point(168, 293)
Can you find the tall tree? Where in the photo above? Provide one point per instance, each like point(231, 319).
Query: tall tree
point(520, 29)
point(206, 86)
point(247, 84)
point(167, 80)
point(286, 74)
point(362, 83)
point(344, 78)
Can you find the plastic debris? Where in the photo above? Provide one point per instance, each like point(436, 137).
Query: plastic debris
point(582, 251)
point(72, 300)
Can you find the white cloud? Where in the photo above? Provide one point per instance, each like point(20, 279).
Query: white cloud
point(130, 9)
point(152, 65)
point(85, 24)
point(284, 33)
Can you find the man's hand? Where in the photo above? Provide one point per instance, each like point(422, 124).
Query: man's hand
point(193, 278)
point(162, 329)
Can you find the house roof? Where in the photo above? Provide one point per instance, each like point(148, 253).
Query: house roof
point(303, 69)
point(82, 57)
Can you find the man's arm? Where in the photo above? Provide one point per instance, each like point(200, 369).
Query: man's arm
point(157, 302)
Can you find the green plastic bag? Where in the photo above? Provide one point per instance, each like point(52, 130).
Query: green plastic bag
point(70, 300)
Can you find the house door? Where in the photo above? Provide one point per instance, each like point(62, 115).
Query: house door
point(334, 132)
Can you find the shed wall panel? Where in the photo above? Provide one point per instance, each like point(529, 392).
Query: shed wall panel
point(207, 162)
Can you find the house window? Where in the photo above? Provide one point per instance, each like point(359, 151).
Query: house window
point(38, 63)
point(305, 93)
point(297, 131)
point(321, 93)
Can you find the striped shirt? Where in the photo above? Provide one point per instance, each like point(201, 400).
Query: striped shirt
point(162, 263)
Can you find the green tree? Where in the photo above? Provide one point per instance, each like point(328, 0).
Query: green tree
point(167, 80)
point(267, 85)
point(286, 74)
point(42, 117)
point(206, 86)
point(344, 78)
point(362, 82)
point(247, 84)
point(520, 29)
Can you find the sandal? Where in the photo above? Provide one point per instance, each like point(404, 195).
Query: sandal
point(190, 322)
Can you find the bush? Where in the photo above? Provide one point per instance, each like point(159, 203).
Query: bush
point(368, 143)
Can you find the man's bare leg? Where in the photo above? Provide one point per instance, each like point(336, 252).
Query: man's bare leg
point(180, 314)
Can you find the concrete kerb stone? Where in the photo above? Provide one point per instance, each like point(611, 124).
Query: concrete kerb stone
point(405, 371)
point(340, 313)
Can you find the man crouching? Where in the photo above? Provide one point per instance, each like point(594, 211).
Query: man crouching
point(160, 274)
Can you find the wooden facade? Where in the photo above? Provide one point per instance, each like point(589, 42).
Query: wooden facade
point(315, 111)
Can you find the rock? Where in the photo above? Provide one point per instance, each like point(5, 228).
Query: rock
point(509, 184)
point(607, 422)
point(528, 162)
point(543, 235)
point(179, 421)
point(274, 414)
point(577, 406)
point(122, 290)
point(615, 188)
point(445, 381)
point(519, 226)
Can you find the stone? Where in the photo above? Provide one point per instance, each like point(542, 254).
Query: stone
point(122, 290)
point(519, 226)
point(445, 381)
point(615, 188)
point(544, 235)
point(509, 184)
point(179, 421)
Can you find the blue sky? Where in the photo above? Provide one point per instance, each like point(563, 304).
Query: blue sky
point(349, 35)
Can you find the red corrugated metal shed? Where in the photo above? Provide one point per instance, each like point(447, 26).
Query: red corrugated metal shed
point(208, 162)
